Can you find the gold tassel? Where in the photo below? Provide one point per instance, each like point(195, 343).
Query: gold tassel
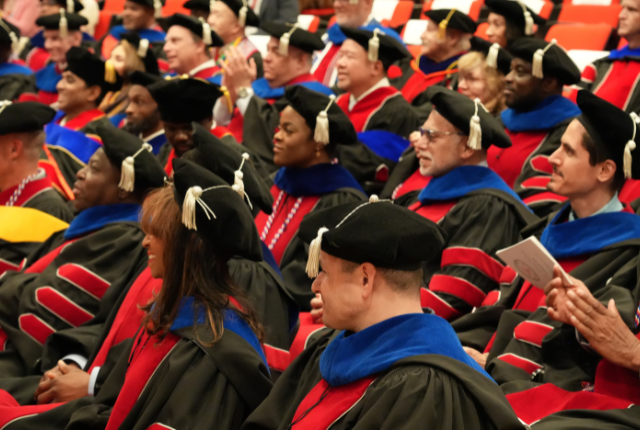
point(206, 32)
point(227, 96)
point(475, 131)
point(374, 46)
point(143, 47)
point(283, 47)
point(64, 26)
point(321, 134)
point(442, 27)
point(109, 72)
point(538, 57)
point(492, 56)
point(313, 263)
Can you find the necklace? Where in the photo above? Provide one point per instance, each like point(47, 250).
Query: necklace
point(283, 227)
point(18, 191)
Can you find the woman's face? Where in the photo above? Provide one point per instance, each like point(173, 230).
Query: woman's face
point(293, 143)
point(118, 58)
point(497, 30)
point(473, 83)
point(155, 251)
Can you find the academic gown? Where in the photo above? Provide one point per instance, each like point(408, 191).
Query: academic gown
point(64, 153)
point(383, 120)
point(73, 278)
point(164, 384)
point(405, 181)
point(262, 116)
point(82, 122)
point(297, 192)
point(38, 212)
point(535, 135)
point(406, 372)
point(36, 57)
point(156, 141)
point(614, 78)
point(481, 215)
point(529, 348)
point(15, 79)
point(47, 79)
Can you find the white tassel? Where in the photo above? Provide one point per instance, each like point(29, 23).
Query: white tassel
point(475, 131)
point(211, 3)
point(374, 198)
point(630, 146)
point(128, 171)
point(353, 1)
point(242, 15)
point(70, 6)
point(538, 58)
point(4, 104)
point(64, 26)
point(283, 46)
point(321, 133)
point(127, 175)
point(143, 47)
point(189, 207)
point(238, 184)
point(374, 46)
point(313, 263)
point(528, 23)
point(492, 56)
point(206, 33)
point(157, 6)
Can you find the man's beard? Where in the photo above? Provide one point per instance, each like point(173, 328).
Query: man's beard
point(142, 127)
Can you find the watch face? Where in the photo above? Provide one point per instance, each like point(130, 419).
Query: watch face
point(243, 93)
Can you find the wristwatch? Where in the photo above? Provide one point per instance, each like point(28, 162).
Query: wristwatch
point(243, 92)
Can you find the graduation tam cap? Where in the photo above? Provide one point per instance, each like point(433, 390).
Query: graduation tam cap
point(9, 34)
point(217, 213)
point(291, 34)
point(232, 163)
point(613, 131)
point(156, 5)
point(91, 69)
point(62, 21)
point(24, 117)
point(496, 57)
point(377, 232)
point(329, 123)
point(470, 117)
point(547, 59)
point(197, 26)
point(142, 47)
point(242, 9)
point(203, 5)
point(143, 79)
point(517, 13)
point(183, 100)
point(451, 18)
point(139, 168)
point(384, 45)
point(70, 6)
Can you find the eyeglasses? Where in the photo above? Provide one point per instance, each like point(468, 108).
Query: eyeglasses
point(435, 134)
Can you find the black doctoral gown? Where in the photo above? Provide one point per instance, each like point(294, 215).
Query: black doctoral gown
point(423, 391)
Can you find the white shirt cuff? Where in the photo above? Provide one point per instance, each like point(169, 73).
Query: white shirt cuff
point(76, 358)
point(92, 381)
point(221, 113)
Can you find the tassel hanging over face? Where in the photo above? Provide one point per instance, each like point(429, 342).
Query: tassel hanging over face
point(492, 56)
point(242, 15)
point(143, 47)
point(374, 46)
point(157, 7)
point(313, 263)
point(70, 6)
point(475, 131)
point(109, 72)
point(128, 171)
point(64, 25)
point(630, 146)
point(206, 32)
point(283, 47)
point(321, 134)
point(538, 58)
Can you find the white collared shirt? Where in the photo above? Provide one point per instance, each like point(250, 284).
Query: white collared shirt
point(205, 65)
point(152, 136)
point(384, 82)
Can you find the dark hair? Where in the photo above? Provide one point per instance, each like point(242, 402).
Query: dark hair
point(513, 31)
point(596, 156)
point(192, 269)
point(402, 281)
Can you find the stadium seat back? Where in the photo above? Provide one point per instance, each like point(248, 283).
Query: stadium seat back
point(393, 13)
point(470, 7)
point(481, 32)
point(540, 7)
point(590, 14)
point(115, 6)
point(580, 36)
point(103, 24)
point(309, 22)
point(174, 6)
point(583, 58)
point(413, 30)
point(593, 2)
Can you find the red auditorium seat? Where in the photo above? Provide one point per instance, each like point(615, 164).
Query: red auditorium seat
point(482, 30)
point(392, 13)
point(174, 6)
point(318, 12)
point(540, 7)
point(580, 36)
point(470, 7)
point(590, 14)
point(593, 2)
point(309, 22)
point(115, 6)
point(103, 24)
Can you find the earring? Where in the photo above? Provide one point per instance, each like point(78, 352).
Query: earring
point(317, 153)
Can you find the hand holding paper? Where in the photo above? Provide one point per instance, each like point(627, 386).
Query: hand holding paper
point(532, 261)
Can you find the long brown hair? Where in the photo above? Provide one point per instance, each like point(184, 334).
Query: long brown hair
point(191, 268)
